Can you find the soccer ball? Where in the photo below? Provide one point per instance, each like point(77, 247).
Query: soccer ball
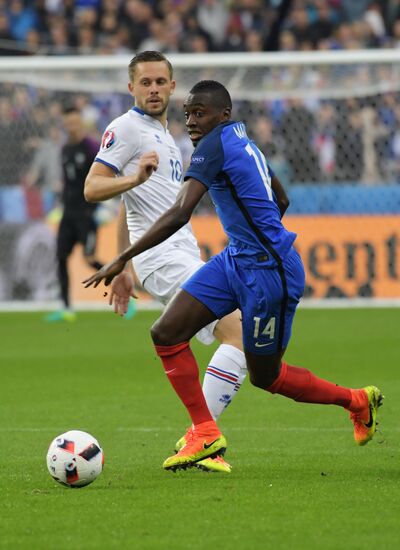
point(75, 459)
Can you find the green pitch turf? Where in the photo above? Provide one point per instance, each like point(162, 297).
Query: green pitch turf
point(298, 480)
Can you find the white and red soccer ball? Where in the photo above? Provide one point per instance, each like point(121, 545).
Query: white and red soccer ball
point(75, 459)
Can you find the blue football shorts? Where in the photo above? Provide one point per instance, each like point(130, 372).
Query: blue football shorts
point(267, 297)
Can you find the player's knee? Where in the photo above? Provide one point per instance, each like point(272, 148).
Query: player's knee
point(257, 380)
point(161, 334)
point(263, 378)
point(229, 330)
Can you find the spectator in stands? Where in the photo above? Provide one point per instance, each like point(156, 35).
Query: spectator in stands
point(349, 143)
point(136, 16)
point(44, 171)
point(157, 39)
point(287, 42)
point(7, 42)
point(33, 43)
point(300, 25)
point(22, 19)
point(325, 139)
point(362, 35)
point(387, 125)
point(251, 14)
point(59, 39)
point(373, 16)
point(298, 128)
point(11, 139)
point(195, 43)
point(371, 132)
point(395, 163)
point(396, 34)
point(234, 37)
point(354, 10)
point(108, 24)
point(191, 28)
point(86, 41)
point(88, 111)
point(227, 26)
point(112, 26)
point(263, 131)
point(254, 41)
point(323, 26)
point(212, 17)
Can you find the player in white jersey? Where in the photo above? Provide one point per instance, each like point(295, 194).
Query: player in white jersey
point(133, 146)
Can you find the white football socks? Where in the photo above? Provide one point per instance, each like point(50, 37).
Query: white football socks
point(223, 378)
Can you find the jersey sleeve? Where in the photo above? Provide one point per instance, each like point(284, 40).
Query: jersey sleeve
point(207, 160)
point(120, 142)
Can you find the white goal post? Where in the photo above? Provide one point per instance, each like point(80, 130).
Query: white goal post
point(375, 71)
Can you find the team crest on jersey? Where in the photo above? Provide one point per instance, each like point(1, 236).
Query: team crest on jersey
point(108, 140)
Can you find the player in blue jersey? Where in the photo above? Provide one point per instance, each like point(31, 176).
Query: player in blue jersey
point(258, 272)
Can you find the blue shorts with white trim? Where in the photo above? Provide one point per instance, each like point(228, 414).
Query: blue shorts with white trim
point(267, 297)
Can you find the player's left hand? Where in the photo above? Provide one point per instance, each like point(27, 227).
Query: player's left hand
point(122, 289)
point(106, 273)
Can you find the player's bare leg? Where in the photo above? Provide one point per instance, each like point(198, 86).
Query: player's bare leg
point(223, 378)
point(270, 373)
point(181, 320)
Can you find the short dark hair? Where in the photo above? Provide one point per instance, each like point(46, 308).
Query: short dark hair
point(220, 94)
point(145, 57)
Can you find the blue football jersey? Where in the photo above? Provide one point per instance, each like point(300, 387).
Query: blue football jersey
point(238, 178)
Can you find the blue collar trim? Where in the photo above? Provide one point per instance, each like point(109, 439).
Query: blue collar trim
point(138, 111)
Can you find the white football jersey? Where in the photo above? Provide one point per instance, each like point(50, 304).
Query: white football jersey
point(124, 141)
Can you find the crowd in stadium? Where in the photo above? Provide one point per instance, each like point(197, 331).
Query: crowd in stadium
point(322, 141)
point(61, 27)
point(349, 140)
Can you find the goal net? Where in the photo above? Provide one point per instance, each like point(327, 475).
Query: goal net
point(328, 122)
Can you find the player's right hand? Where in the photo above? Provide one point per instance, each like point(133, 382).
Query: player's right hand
point(122, 289)
point(106, 273)
point(148, 163)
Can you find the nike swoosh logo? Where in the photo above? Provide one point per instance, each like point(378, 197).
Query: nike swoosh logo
point(258, 345)
point(371, 418)
point(168, 371)
point(207, 446)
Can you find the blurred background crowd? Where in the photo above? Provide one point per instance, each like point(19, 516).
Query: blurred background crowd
point(330, 132)
point(61, 27)
point(354, 138)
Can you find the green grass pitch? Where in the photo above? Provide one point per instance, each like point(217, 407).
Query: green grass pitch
point(298, 480)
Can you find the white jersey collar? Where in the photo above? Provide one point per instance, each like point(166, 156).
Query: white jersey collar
point(149, 118)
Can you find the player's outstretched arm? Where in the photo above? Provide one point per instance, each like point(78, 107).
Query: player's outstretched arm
point(166, 225)
point(102, 184)
point(280, 194)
